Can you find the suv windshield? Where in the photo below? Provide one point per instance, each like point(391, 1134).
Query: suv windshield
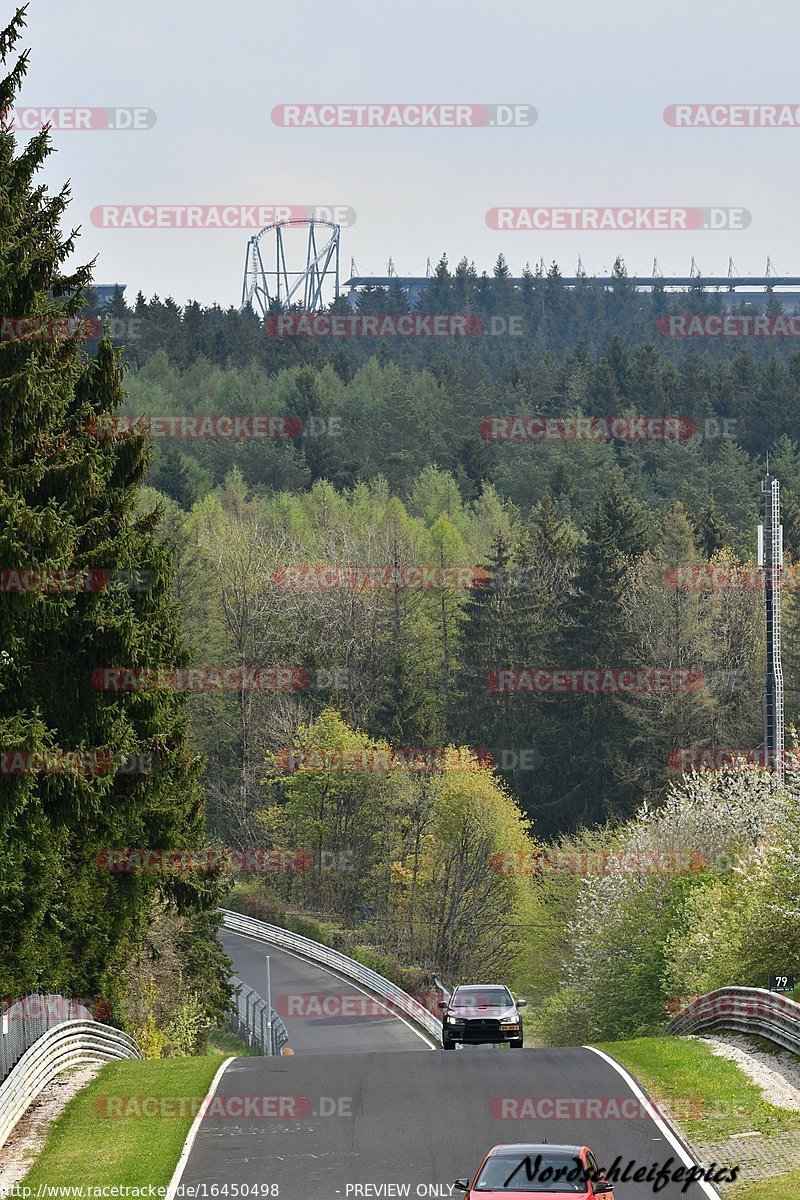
point(475, 997)
point(532, 1173)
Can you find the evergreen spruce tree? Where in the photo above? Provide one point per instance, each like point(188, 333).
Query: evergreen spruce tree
point(510, 623)
point(593, 736)
point(492, 639)
point(711, 530)
point(68, 503)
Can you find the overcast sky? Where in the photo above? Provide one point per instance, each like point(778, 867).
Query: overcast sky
point(599, 76)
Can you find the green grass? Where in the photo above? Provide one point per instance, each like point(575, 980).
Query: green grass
point(223, 1042)
point(713, 1098)
point(783, 1187)
point(89, 1149)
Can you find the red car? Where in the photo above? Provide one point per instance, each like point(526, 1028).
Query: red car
point(537, 1171)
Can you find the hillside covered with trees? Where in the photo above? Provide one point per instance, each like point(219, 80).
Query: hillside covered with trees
point(441, 810)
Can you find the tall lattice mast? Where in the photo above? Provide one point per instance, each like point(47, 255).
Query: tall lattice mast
point(770, 557)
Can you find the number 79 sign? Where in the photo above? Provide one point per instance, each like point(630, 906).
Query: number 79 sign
point(781, 983)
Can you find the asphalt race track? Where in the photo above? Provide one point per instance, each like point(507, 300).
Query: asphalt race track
point(295, 979)
point(362, 1112)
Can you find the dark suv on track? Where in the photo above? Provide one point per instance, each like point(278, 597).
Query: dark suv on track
point(478, 1013)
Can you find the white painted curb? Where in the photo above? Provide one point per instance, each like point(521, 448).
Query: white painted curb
point(680, 1150)
point(192, 1134)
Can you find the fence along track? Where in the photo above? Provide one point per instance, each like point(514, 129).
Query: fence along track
point(250, 1021)
point(25, 1020)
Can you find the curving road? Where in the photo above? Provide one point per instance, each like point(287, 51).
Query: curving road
point(355, 1024)
point(352, 1114)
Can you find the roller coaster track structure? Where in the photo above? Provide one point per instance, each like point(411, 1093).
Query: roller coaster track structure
point(261, 288)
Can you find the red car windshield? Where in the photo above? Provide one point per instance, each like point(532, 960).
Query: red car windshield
point(555, 1173)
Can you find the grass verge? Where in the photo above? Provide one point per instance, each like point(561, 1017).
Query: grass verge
point(223, 1042)
point(711, 1097)
point(783, 1187)
point(86, 1148)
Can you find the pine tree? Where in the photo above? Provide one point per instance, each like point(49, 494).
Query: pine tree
point(711, 530)
point(591, 737)
point(438, 294)
point(172, 477)
point(68, 503)
point(510, 623)
point(492, 639)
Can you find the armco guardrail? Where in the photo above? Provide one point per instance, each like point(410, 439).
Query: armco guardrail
point(748, 1010)
point(398, 1000)
point(250, 1020)
point(70, 1044)
point(23, 1021)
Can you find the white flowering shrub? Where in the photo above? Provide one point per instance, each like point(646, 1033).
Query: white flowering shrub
point(644, 932)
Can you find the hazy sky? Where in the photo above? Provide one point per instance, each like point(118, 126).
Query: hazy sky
point(599, 76)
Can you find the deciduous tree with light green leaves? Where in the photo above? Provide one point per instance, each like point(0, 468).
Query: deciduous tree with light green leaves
point(432, 848)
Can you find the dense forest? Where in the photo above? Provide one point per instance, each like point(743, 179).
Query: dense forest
point(551, 554)
point(579, 541)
